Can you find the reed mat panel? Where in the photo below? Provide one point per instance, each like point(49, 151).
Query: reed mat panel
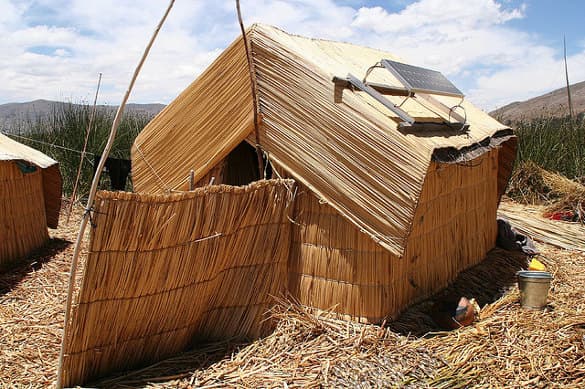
point(334, 265)
point(23, 227)
point(164, 271)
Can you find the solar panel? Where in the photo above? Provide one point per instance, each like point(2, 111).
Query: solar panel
point(417, 79)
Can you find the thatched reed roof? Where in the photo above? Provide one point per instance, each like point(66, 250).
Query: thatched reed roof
point(343, 145)
point(10, 150)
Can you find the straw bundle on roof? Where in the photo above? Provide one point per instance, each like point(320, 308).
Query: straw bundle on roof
point(163, 270)
point(23, 227)
point(228, 86)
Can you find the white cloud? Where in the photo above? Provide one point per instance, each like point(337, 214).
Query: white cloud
point(436, 15)
point(527, 80)
point(56, 48)
point(472, 44)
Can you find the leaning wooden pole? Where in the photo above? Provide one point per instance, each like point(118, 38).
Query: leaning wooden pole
point(83, 151)
point(93, 190)
point(567, 78)
point(254, 95)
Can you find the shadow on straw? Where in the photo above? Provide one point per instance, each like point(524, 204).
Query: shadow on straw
point(486, 282)
point(12, 275)
point(181, 366)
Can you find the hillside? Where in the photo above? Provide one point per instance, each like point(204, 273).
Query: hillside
point(12, 114)
point(550, 104)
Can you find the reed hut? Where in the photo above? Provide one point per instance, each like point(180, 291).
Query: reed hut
point(385, 214)
point(374, 202)
point(30, 199)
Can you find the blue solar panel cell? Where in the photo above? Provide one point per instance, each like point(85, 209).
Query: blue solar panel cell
point(420, 79)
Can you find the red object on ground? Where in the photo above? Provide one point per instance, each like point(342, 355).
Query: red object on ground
point(561, 215)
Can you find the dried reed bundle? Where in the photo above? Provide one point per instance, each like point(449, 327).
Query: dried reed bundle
point(164, 270)
point(528, 220)
point(508, 347)
point(531, 184)
point(23, 227)
point(31, 313)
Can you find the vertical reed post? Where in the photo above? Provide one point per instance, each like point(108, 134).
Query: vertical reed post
point(567, 78)
point(254, 97)
point(191, 179)
point(72, 199)
point(93, 190)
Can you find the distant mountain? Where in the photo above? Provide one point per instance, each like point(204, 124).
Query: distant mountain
point(550, 104)
point(12, 114)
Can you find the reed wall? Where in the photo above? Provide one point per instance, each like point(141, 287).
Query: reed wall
point(165, 270)
point(52, 186)
point(23, 227)
point(334, 265)
point(506, 157)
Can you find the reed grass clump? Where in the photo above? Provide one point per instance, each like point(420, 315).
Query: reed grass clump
point(531, 184)
point(554, 144)
point(61, 135)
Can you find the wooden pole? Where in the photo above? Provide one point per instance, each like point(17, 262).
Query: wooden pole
point(92, 192)
point(254, 98)
point(567, 78)
point(72, 199)
point(192, 180)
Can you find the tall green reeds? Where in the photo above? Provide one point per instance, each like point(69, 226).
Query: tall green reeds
point(61, 134)
point(555, 144)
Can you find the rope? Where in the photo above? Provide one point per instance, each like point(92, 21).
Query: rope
point(49, 144)
point(164, 185)
point(374, 66)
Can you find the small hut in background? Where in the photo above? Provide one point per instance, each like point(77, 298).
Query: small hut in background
point(30, 199)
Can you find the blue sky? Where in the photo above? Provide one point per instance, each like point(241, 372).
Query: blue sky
point(495, 51)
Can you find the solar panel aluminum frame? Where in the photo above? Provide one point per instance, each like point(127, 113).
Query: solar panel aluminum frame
point(388, 65)
point(408, 120)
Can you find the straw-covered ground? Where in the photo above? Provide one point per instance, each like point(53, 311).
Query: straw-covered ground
point(507, 347)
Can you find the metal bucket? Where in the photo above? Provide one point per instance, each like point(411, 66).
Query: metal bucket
point(534, 286)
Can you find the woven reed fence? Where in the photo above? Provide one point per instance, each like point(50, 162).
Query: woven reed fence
point(334, 265)
point(23, 227)
point(165, 270)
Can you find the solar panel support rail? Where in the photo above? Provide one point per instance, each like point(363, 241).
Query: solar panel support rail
point(418, 75)
point(381, 99)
